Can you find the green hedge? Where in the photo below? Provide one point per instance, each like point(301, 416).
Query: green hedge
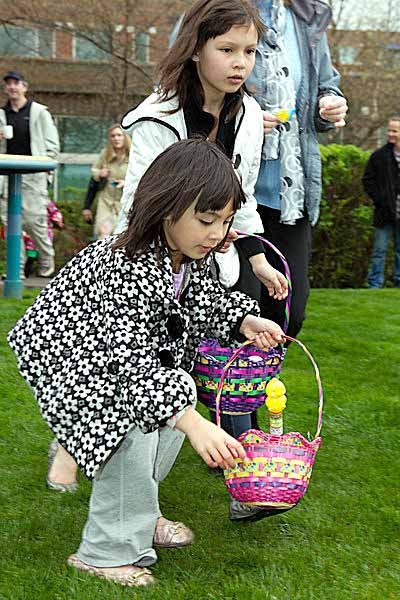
point(76, 234)
point(342, 239)
point(343, 236)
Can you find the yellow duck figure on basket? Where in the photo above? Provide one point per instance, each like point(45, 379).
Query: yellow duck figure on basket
point(276, 403)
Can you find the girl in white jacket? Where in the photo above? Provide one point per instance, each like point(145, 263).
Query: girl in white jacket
point(202, 92)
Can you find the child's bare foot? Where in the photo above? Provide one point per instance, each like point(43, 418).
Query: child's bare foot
point(128, 575)
point(62, 469)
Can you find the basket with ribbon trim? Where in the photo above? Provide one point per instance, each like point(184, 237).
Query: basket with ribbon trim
point(277, 471)
point(247, 369)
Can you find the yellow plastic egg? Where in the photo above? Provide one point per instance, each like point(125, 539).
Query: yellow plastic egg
point(282, 115)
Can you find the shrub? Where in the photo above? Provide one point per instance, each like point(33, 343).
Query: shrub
point(75, 235)
point(342, 237)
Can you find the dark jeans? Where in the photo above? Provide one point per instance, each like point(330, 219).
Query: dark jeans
point(294, 241)
point(382, 237)
point(233, 424)
point(249, 284)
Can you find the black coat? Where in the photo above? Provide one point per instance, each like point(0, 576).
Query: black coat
point(381, 182)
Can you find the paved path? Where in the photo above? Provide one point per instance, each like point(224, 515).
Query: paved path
point(35, 282)
point(32, 282)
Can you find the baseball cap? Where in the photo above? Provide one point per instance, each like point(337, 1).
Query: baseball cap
point(13, 75)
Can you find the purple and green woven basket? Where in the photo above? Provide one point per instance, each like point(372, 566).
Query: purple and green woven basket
point(247, 370)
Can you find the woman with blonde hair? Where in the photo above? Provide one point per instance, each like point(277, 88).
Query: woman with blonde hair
point(109, 170)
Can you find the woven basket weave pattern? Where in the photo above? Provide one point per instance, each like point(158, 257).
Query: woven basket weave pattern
point(277, 470)
point(245, 380)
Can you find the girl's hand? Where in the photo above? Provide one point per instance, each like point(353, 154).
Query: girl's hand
point(120, 184)
point(266, 333)
point(214, 445)
point(270, 121)
point(275, 282)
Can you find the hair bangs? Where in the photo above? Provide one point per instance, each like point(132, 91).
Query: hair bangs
point(193, 170)
point(215, 196)
point(220, 20)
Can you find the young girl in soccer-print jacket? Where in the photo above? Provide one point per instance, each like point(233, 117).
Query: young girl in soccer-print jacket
point(108, 346)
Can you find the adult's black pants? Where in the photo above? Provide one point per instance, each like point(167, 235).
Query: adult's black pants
point(294, 241)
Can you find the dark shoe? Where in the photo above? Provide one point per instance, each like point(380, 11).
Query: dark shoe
point(54, 485)
point(245, 513)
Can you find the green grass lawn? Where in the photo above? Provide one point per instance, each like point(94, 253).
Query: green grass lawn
point(341, 542)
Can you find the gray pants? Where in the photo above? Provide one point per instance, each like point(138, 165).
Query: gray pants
point(34, 218)
point(124, 503)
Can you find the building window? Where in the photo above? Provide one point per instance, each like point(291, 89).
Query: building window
point(347, 55)
point(395, 58)
point(45, 43)
point(92, 46)
point(82, 135)
point(142, 47)
point(382, 135)
point(81, 141)
point(26, 41)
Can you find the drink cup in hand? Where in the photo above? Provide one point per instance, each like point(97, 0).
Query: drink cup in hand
point(7, 131)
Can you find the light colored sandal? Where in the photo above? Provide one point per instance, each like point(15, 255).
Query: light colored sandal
point(135, 577)
point(172, 534)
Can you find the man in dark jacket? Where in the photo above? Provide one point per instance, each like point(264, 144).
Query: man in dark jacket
point(381, 181)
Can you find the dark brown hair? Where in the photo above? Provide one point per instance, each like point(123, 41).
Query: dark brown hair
point(194, 169)
point(205, 20)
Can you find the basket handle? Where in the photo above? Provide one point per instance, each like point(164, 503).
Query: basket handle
point(316, 371)
point(242, 235)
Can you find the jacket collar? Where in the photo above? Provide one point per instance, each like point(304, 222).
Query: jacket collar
point(306, 10)
point(8, 109)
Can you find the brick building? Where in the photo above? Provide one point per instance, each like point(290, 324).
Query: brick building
point(89, 63)
point(369, 63)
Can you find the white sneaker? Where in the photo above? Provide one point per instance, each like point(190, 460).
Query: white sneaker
point(47, 273)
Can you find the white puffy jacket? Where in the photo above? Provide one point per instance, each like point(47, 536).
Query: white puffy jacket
point(153, 131)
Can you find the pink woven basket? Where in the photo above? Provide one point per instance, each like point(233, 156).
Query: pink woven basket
point(277, 471)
